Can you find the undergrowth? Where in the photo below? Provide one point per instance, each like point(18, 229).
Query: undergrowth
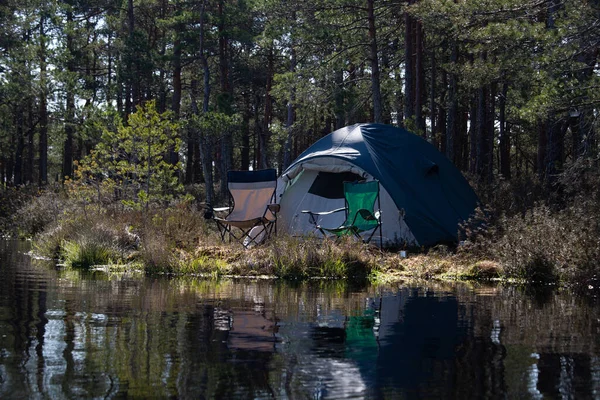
point(528, 230)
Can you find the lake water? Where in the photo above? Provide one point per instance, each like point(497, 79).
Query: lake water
point(68, 334)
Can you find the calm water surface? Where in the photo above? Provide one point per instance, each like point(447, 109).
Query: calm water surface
point(68, 334)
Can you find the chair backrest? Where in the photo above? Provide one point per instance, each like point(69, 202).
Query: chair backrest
point(361, 195)
point(252, 192)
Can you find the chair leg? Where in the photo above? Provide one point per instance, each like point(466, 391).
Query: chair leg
point(223, 230)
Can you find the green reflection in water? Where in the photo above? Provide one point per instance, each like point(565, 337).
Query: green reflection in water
point(72, 334)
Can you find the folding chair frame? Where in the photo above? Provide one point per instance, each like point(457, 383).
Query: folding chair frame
point(351, 228)
point(244, 228)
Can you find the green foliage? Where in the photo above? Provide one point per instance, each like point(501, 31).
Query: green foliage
point(214, 124)
point(130, 163)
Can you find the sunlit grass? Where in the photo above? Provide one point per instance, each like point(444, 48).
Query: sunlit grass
point(85, 254)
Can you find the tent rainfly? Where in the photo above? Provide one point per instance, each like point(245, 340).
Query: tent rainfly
point(424, 197)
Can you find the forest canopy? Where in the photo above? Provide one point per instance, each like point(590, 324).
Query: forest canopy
point(504, 88)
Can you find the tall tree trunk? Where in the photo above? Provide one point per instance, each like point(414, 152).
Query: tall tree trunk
point(451, 123)
point(18, 165)
point(540, 164)
point(555, 147)
point(109, 69)
point(43, 109)
point(462, 161)
point(176, 100)
point(224, 99)
point(68, 150)
point(257, 130)
point(482, 95)
point(504, 135)
point(419, 78)
point(29, 164)
point(268, 115)
point(133, 98)
point(287, 148)
point(586, 132)
point(340, 117)
point(351, 110)
point(440, 136)
point(10, 160)
point(245, 150)
point(374, 60)
point(473, 128)
point(432, 105)
point(204, 147)
point(190, 154)
point(490, 130)
point(223, 44)
point(409, 88)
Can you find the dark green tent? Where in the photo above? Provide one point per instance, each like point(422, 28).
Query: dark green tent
point(424, 196)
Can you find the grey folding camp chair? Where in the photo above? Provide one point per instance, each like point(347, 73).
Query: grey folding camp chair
point(252, 215)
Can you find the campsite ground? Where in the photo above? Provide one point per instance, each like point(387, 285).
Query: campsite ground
point(524, 234)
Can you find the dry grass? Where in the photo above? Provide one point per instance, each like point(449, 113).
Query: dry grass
point(515, 238)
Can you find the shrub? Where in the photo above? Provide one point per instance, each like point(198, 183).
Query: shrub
point(40, 211)
point(11, 200)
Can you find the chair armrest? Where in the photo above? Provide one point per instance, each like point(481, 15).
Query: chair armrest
point(274, 208)
point(323, 212)
point(221, 209)
point(367, 215)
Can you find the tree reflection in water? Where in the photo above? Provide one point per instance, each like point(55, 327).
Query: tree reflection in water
point(69, 334)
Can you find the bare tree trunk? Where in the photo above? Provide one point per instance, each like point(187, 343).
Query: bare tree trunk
point(268, 115)
point(409, 89)
point(540, 164)
point(340, 117)
point(490, 130)
point(481, 127)
point(555, 149)
point(504, 136)
point(176, 100)
point(67, 168)
point(133, 71)
point(204, 148)
point(287, 148)
point(419, 78)
point(373, 55)
point(224, 99)
point(473, 134)
point(432, 105)
point(18, 165)
point(351, 110)
point(245, 150)
point(43, 109)
point(440, 135)
point(29, 164)
point(223, 43)
point(452, 108)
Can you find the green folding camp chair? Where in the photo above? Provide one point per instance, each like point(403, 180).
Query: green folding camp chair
point(361, 214)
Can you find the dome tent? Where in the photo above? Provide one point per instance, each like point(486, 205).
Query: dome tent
point(423, 195)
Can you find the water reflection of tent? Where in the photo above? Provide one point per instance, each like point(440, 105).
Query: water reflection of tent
point(416, 333)
point(361, 343)
point(252, 331)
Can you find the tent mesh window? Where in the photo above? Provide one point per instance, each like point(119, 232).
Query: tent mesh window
point(330, 185)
